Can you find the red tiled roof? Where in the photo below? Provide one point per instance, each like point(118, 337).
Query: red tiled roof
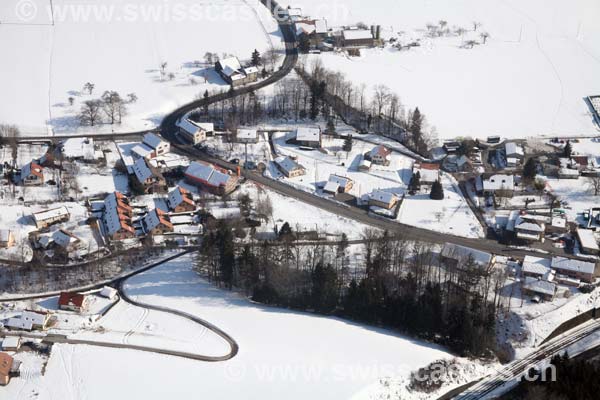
point(71, 299)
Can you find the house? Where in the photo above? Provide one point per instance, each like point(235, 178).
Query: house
point(11, 343)
point(364, 165)
point(358, 38)
point(289, 167)
point(338, 184)
point(81, 149)
point(309, 137)
point(157, 222)
point(514, 151)
point(181, 200)
point(19, 324)
point(149, 178)
point(44, 219)
point(6, 368)
point(212, 179)
point(582, 270)
point(428, 172)
point(32, 174)
point(499, 183)
point(537, 287)
point(588, 242)
point(314, 30)
point(7, 238)
point(528, 227)
point(195, 132)
point(233, 73)
point(142, 151)
point(67, 243)
point(380, 155)
point(117, 217)
point(456, 256)
point(568, 173)
point(456, 163)
point(383, 199)
point(535, 267)
point(246, 136)
point(109, 292)
point(38, 319)
point(72, 302)
point(159, 147)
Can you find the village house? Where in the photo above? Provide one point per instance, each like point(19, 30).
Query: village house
point(246, 136)
point(574, 268)
point(380, 155)
point(11, 343)
point(455, 257)
point(499, 184)
point(32, 174)
point(526, 226)
point(108, 292)
point(117, 217)
point(338, 184)
point(29, 320)
point(545, 290)
point(6, 368)
point(149, 178)
point(314, 30)
point(67, 244)
point(358, 38)
point(211, 178)
point(568, 169)
point(514, 154)
point(234, 74)
point(309, 137)
point(535, 267)
point(72, 302)
point(289, 167)
point(195, 132)
point(159, 147)
point(157, 222)
point(588, 242)
point(364, 165)
point(383, 199)
point(181, 200)
point(7, 238)
point(428, 172)
point(44, 219)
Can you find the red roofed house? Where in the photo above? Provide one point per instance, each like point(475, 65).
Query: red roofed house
point(181, 200)
point(380, 155)
point(72, 301)
point(211, 178)
point(6, 364)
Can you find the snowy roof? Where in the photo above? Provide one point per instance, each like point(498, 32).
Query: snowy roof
point(536, 265)
point(331, 187)
point(357, 34)
point(340, 180)
point(381, 151)
point(141, 150)
point(36, 318)
point(207, 173)
point(587, 239)
point(247, 134)
point(513, 148)
point(155, 218)
point(11, 342)
point(64, 238)
point(365, 163)
point(18, 323)
point(218, 178)
point(304, 28)
point(51, 214)
point(141, 170)
point(287, 164)
point(230, 65)
point(79, 148)
point(178, 196)
point(152, 140)
point(250, 70)
point(192, 127)
point(321, 25)
point(529, 224)
point(499, 182)
point(568, 264)
point(540, 286)
point(462, 254)
point(305, 134)
point(382, 196)
point(108, 292)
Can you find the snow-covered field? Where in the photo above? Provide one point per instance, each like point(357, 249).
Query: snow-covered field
point(282, 354)
point(529, 79)
point(119, 45)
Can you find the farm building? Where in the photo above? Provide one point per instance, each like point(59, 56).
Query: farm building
point(233, 73)
point(108, 292)
point(428, 172)
point(289, 167)
point(211, 178)
point(358, 38)
point(72, 301)
point(246, 136)
point(44, 219)
point(195, 132)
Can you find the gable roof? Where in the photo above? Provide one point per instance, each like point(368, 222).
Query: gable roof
point(339, 180)
point(307, 134)
point(179, 195)
point(568, 264)
point(499, 182)
point(116, 213)
point(246, 134)
point(382, 196)
point(381, 151)
point(287, 164)
point(156, 218)
point(141, 170)
point(71, 299)
point(462, 254)
point(536, 265)
point(50, 214)
point(230, 66)
point(208, 174)
point(152, 140)
point(540, 286)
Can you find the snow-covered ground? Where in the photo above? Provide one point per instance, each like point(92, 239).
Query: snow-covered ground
point(119, 45)
point(282, 353)
point(529, 79)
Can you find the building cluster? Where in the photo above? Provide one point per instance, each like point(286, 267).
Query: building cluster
point(233, 73)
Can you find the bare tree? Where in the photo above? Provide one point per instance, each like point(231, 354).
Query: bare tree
point(113, 106)
point(272, 56)
point(594, 184)
point(90, 113)
point(476, 25)
point(484, 36)
point(381, 97)
point(89, 87)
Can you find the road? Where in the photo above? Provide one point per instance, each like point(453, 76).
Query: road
point(490, 386)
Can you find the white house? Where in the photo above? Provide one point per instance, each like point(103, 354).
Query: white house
point(195, 132)
point(158, 145)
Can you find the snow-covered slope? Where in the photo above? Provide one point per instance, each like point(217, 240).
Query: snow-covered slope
point(529, 79)
point(118, 47)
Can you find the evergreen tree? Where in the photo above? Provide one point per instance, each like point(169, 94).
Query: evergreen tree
point(206, 101)
point(304, 45)
point(348, 144)
point(416, 124)
point(568, 149)
point(415, 182)
point(437, 191)
point(330, 126)
point(256, 59)
point(324, 288)
point(530, 170)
